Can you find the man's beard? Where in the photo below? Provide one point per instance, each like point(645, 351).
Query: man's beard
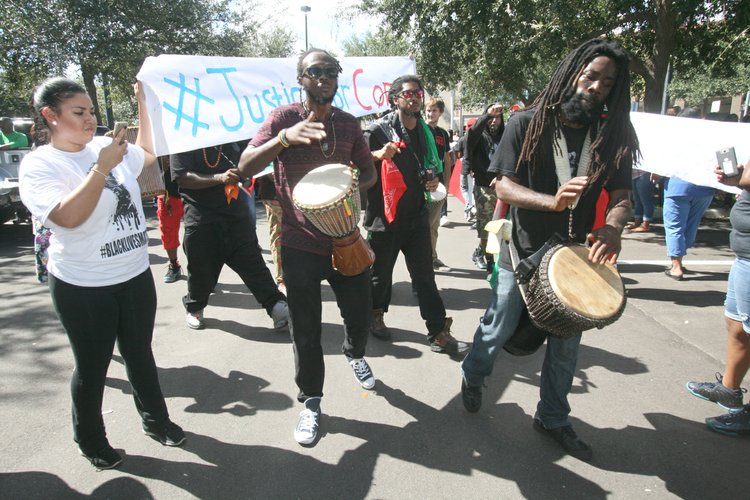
point(408, 113)
point(579, 109)
point(321, 99)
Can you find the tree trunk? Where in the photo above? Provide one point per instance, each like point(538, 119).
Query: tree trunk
point(89, 73)
point(663, 48)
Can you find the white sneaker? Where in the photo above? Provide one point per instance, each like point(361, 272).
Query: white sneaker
point(363, 372)
point(280, 315)
point(195, 320)
point(307, 425)
point(443, 221)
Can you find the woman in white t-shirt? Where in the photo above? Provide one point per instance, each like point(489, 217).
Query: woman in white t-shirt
point(84, 189)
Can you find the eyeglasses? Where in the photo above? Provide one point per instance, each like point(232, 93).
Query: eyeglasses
point(411, 94)
point(315, 72)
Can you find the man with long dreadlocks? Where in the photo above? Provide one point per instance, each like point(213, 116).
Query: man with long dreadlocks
point(297, 138)
point(407, 163)
point(585, 111)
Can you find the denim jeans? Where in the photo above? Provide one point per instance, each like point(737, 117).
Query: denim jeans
point(737, 303)
point(467, 191)
point(497, 326)
point(643, 195)
point(682, 216)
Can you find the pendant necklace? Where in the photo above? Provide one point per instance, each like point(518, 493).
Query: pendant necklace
point(324, 147)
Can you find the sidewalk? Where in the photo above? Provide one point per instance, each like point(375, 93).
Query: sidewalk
point(231, 387)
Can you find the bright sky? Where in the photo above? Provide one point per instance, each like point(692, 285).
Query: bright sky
point(327, 28)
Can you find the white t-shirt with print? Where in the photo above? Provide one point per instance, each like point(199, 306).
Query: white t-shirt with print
point(111, 246)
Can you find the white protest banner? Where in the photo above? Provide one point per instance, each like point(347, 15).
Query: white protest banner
point(198, 101)
point(686, 147)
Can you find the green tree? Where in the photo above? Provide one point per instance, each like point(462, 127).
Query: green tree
point(109, 39)
point(382, 43)
point(511, 47)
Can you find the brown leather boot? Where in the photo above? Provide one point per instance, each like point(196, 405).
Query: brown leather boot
point(377, 325)
point(445, 342)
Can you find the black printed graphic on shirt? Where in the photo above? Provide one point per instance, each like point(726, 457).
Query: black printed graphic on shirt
point(125, 213)
point(124, 219)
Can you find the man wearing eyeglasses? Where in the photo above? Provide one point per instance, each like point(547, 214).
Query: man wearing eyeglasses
point(407, 164)
point(298, 138)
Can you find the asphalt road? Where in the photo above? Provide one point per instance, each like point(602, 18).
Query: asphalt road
point(231, 387)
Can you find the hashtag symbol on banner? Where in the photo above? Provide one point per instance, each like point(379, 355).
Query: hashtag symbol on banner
point(103, 251)
point(179, 110)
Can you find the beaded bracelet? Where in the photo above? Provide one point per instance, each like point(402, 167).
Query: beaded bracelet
point(282, 138)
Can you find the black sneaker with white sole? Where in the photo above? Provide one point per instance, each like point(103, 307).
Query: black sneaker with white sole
point(168, 433)
point(105, 458)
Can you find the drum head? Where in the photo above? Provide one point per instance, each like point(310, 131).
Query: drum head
point(323, 186)
point(591, 290)
point(439, 194)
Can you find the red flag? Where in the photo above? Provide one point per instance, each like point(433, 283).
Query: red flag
point(394, 188)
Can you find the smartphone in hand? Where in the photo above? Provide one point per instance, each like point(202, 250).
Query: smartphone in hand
point(728, 161)
point(120, 126)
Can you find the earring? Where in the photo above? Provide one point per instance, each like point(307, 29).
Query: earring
point(54, 123)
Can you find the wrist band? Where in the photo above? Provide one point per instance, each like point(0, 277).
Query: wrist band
point(100, 173)
point(282, 138)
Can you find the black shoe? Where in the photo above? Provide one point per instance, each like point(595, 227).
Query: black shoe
point(478, 258)
point(105, 458)
point(174, 272)
point(168, 434)
point(568, 439)
point(732, 424)
point(471, 396)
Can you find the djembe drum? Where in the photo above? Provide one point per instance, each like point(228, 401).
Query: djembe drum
point(569, 294)
point(151, 178)
point(328, 196)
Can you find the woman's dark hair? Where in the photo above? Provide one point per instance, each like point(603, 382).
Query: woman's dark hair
point(398, 85)
point(51, 93)
point(615, 143)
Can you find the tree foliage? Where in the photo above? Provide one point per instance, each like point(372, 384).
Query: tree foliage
point(107, 40)
point(511, 47)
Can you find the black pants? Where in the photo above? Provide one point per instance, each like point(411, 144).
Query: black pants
point(417, 249)
point(209, 246)
point(94, 318)
point(303, 273)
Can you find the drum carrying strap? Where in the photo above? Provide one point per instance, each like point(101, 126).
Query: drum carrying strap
point(524, 269)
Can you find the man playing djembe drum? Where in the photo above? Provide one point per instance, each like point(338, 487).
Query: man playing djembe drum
point(589, 95)
point(298, 138)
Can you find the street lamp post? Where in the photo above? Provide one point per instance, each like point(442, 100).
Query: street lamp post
point(305, 9)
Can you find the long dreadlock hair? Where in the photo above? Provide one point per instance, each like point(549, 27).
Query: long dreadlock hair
point(615, 143)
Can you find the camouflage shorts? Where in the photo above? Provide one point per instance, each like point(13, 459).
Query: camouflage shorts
point(484, 201)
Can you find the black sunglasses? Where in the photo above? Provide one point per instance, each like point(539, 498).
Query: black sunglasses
point(316, 72)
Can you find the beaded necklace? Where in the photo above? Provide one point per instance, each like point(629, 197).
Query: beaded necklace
point(218, 158)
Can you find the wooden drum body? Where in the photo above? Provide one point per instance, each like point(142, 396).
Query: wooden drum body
point(569, 294)
point(151, 178)
point(328, 196)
